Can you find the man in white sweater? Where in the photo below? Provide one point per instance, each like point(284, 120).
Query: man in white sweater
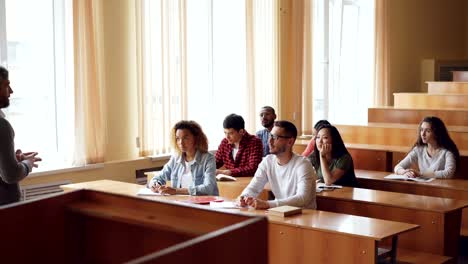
point(291, 177)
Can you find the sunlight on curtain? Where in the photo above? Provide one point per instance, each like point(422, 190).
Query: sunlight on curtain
point(347, 61)
point(90, 126)
point(195, 62)
point(262, 57)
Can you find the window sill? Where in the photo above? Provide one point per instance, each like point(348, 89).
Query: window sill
point(65, 170)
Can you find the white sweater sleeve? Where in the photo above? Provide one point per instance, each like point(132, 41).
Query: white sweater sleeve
point(450, 166)
point(408, 161)
point(305, 190)
point(257, 183)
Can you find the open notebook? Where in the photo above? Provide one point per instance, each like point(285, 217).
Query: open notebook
point(406, 178)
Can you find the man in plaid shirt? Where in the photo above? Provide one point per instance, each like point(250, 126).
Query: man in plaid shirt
point(239, 152)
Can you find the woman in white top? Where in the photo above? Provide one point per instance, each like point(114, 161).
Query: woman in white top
point(434, 155)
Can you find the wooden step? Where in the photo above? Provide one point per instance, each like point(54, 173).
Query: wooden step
point(447, 87)
point(451, 117)
point(431, 101)
point(416, 257)
point(395, 134)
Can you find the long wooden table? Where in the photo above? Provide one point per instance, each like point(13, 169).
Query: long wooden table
point(446, 188)
point(439, 218)
point(301, 238)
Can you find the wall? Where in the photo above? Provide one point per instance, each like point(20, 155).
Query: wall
point(423, 29)
point(121, 94)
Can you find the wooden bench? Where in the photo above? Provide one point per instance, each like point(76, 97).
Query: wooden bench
point(445, 188)
point(451, 117)
point(403, 135)
point(416, 257)
point(423, 100)
point(447, 87)
point(439, 218)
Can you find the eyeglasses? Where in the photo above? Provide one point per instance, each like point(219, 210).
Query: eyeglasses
point(275, 137)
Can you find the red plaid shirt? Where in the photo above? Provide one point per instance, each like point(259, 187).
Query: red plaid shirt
point(247, 159)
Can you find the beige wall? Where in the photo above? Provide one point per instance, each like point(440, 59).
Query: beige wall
point(423, 29)
point(120, 70)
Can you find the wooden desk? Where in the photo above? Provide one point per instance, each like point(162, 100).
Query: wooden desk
point(300, 238)
point(86, 226)
point(438, 218)
point(446, 188)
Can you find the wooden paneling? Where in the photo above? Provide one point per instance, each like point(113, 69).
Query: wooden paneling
point(446, 188)
point(96, 227)
point(451, 117)
point(439, 218)
point(394, 135)
point(422, 100)
point(447, 87)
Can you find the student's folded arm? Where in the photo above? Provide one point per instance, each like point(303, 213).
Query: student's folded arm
point(406, 162)
point(209, 180)
point(450, 167)
point(11, 171)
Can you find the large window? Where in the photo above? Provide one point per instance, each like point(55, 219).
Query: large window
point(196, 65)
point(343, 60)
point(37, 48)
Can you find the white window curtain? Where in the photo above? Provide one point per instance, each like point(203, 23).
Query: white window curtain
point(345, 60)
point(36, 45)
point(202, 60)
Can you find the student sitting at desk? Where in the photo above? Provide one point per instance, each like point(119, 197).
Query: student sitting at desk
point(310, 147)
point(434, 154)
point(331, 160)
point(291, 177)
point(193, 169)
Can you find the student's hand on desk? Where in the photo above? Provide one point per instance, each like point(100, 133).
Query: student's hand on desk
point(155, 187)
point(260, 204)
point(225, 172)
point(244, 201)
point(411, 173)
point(167, 190)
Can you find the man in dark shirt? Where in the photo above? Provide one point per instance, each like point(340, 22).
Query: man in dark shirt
point(267, 117)
point(14, 166)
point(239, 152)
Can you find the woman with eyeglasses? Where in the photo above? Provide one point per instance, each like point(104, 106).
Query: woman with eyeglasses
point(434, 155)
point(331, 160)
point(310, 147)
point(192, 170)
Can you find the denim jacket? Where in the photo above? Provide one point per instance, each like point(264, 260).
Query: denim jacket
point(203, 174)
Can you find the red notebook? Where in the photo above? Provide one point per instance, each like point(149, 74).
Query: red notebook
point(203, 199)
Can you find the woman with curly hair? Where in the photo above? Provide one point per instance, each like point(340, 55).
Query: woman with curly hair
point(192, 170)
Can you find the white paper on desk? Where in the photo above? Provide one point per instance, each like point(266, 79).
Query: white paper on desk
point(323, 186)
point(225, 205)
point(406, 178)
point(146, 191)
